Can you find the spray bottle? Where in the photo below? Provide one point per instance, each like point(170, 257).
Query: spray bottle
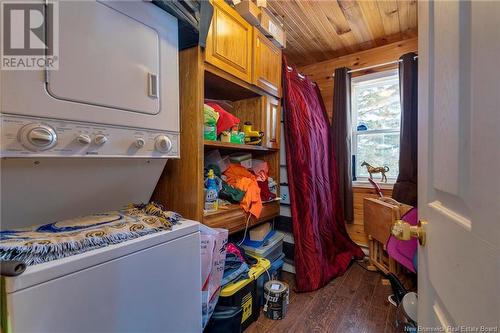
point(211, 193)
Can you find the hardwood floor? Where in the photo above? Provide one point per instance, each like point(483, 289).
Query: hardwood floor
point(356, 302)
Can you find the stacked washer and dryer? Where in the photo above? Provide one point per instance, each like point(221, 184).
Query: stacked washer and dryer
point(95, 136)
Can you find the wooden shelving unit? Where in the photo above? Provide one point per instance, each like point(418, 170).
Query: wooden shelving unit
point(205, 74)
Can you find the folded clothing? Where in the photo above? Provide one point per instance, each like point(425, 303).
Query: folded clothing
point(231, 193)
point(210, 121)
point(235, 269)
point(226, 120)
point(210, 116)
point(237, 264)
point(61, 239)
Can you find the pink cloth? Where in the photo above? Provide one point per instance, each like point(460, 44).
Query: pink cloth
point(404, 251)
point(231, 248)
point(261, 170)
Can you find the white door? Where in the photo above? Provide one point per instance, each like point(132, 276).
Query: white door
point(459, 150)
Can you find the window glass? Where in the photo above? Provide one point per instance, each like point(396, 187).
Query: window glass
point(376, 119)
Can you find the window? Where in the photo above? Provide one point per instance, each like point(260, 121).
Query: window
point(376, 118)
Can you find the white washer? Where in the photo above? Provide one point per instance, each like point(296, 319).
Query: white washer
point(150, 284)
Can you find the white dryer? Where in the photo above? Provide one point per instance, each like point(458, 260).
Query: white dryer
point(116, 92)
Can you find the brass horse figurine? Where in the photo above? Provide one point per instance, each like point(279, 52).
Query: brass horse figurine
point(372, 170)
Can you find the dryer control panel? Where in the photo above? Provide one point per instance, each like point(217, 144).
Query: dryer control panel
point(31, 137)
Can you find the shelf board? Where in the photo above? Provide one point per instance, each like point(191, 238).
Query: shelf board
point(223, 210)
point(236, 208)
point(234, 218)
point(235, 146)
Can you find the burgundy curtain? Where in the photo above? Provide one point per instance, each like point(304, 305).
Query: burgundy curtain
point(323, 249)
point(405, 188)
point(341, 132)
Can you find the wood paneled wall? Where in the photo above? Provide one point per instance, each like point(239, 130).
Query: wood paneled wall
point(321, 72)
point(356, 230)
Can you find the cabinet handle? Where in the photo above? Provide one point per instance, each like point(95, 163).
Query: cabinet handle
point(152, 85)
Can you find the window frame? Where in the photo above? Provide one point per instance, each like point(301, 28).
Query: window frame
point(354, 121)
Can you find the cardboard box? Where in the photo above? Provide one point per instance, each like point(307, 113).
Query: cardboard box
point(272, 29)
point(249, 11)
point(260, 232)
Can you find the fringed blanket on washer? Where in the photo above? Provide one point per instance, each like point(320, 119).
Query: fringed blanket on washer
point(61, 239)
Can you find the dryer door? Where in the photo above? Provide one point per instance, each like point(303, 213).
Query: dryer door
point(106, 59)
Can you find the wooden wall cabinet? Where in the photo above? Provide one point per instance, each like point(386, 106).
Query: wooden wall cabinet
point(237, 48)
point(265, 114)
point(229, 42)
point(266, 64)
point(272, 117)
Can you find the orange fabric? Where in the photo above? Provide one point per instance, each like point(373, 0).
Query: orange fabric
point(244, 180)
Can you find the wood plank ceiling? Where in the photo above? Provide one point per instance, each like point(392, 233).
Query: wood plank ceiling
point(326, 29)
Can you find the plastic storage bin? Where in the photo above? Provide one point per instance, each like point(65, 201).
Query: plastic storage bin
point(271, 250)
point(256, 244)
point(225, 319)
point(277, 267)
point(243, 294)
point(240, 294)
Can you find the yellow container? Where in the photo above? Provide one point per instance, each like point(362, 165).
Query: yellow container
point(259, 268)
point(244, 293)
point(232, 288)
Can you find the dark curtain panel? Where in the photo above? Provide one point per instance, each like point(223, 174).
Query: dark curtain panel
point(341, 135)
point(405, 189)
point(323, 249)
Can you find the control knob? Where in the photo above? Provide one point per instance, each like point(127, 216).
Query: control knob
point(37, 137)
point(140, 142)
point(84, 139)
point(100, 139)
point(163, 144)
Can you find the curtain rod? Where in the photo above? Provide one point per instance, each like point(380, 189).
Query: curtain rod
point(302, 76)
point(375, 66)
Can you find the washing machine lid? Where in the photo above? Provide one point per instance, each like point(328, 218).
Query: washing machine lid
point(41, 273)
point(113, 62)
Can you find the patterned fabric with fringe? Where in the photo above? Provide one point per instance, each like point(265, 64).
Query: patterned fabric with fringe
point(38, 244)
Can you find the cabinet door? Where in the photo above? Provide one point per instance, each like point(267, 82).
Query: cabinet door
point(273, 120)
point(229, 42)
point(266, 64)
